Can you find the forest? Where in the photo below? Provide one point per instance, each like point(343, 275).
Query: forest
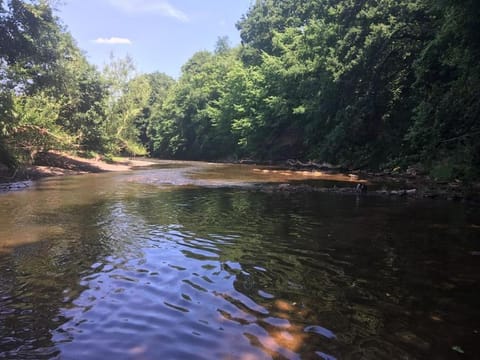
point(365, 84)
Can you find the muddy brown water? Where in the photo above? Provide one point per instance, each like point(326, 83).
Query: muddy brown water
point(194, 261)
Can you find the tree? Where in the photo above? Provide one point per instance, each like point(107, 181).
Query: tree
point(447, 116)
point(189, 126)
point(148, 122)
point(339, 75)
point(28, 56)
point(128, 96)
point(82, 91)
point(222, 46)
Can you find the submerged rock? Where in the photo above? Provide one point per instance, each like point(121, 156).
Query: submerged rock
point(361, 188)
point(412, 339)
point(15, 186)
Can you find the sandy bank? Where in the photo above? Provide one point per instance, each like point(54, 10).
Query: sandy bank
point(61, 164)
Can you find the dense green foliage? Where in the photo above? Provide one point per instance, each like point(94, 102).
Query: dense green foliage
point(367, 83)
point(52, 98)
point(360, 83)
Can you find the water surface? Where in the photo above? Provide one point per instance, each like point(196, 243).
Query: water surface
point(174, 263)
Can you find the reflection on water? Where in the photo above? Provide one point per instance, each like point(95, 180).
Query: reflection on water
point(108, 266)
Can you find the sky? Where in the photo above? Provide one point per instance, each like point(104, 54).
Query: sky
point(160, 35)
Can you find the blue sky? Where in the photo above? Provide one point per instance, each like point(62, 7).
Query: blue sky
point(160, 35)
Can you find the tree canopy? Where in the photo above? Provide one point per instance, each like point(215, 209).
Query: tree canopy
point(364, 84)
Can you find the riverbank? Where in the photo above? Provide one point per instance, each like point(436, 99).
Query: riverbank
point(54, 163)
point(410, 183)
point(373, 187)
point(297, 177)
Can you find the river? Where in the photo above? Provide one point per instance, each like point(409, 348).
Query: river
point(196, 261)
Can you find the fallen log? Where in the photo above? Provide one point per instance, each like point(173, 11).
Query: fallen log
point(312, 165)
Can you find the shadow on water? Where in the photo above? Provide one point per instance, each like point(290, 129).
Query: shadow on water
point(118, 269)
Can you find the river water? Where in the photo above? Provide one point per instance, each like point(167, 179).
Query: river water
point(194, 261)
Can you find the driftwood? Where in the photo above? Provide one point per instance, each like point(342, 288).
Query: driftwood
point(247, 162)
point(358, 189)
point(312, 165)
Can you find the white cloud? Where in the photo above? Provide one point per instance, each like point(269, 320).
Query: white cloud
point(162, 7)
point(113, 41)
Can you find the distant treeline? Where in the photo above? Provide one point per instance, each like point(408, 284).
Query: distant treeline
point(360, 83)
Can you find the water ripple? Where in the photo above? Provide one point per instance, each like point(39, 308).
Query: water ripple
point(147, 273)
